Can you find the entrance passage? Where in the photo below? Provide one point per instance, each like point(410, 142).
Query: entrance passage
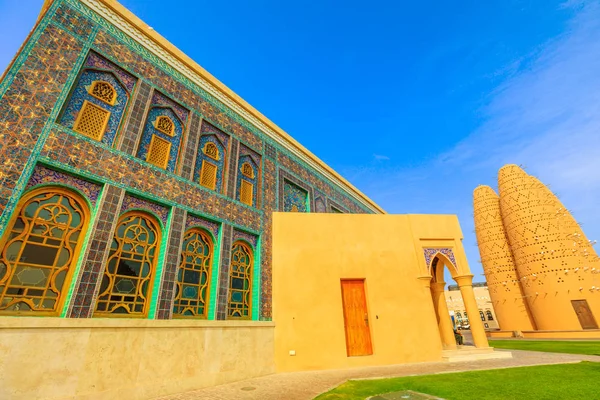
point(356, 318)
point(586, 318)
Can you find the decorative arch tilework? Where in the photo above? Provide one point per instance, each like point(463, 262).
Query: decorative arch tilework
point(150, 130)
point(42, 175)
point(211, 226)
point(294, 196)
point(320, 202)
point(254, 181)
point(220, 163)
point(159, 99)
point(98, 62)
point(130, 202)
point(80, 94)
point(223, 137)
point(248, 237)
point(430, 254)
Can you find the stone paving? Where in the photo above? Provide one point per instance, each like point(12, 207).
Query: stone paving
point(308, 385)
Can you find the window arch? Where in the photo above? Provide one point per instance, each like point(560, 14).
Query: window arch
point(481, 315)
point(490, 317)
point(103, 91)
point(247, 176)
point(240, 281)
point(211, 150)
point(39, 250)
point(210, 162)
point(161, 138)
point(165, 125)
point(247, 170)
point(193, 279)
point(129, 275)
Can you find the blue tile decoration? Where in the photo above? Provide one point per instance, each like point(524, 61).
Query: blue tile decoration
point(430, 254)
point(240, 177)
point(97, 62)
point(220, 163)
point(131, 203)
point(150, 130)
point(294, 198)
point(245, 236)
point(159, 99)
point(211, 226)
point(43, 175)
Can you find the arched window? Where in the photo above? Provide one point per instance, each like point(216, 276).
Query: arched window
point(210, 163)
point(40, 248)
point(247, 181)
point(193, 280)
point(247, 170)
point(490, 317)
point(161, 138)
point(481, 315)
point(240, 281)
point(165, 125)
point(211, 150)
point(103, 91)
point(129, 274)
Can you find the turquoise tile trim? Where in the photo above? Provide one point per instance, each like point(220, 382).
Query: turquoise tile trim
point(29, 166)
point(256, 282)
point(88, 237)
point(160, 265)
point(214, 276)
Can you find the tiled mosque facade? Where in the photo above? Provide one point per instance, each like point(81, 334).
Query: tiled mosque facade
point(140, 187)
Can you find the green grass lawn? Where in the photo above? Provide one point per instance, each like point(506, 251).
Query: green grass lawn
point(564, 381)
point(575, 347)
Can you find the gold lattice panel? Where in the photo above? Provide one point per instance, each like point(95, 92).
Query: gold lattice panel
point(240, 282)
point(208, 175)
point(248, 170)
point(211, 150)
point(103, 91)
point(165, 125)
point(158, 152)
point(555, 261)
point(246, 189)
point(497, 260)
point(91, 121)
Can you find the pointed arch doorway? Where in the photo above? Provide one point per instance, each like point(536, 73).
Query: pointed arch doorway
point(439, 262)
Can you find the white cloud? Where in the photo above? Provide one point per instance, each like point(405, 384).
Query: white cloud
point(380, 157)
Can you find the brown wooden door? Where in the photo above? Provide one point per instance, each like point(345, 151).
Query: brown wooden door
point(356, 318)
point(586, 318)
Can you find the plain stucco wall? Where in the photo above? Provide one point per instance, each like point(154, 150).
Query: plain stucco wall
point(313, 252)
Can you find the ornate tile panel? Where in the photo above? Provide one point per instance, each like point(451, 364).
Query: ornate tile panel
point(131, 202)
point(430, 254)
point(211, 226)
point(43, 175)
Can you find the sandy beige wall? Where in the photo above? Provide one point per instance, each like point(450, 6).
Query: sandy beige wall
point(312, 253)
point(54, 358)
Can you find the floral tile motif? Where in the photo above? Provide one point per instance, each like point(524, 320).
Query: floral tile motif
point(159, 99)
point(94, 60)
point(295, 199)
point(130, 203)
point(430, 254)
point(245, 236)
point(42, 175)
point(211, 226)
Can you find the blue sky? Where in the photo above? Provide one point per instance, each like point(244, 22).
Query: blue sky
point(416, 104)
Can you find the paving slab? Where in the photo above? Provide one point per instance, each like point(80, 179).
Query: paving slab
point(309, 384)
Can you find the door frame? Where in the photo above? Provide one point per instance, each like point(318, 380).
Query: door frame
point(370, 332)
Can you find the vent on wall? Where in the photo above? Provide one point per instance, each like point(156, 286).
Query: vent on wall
point(246, 192)
point(158, 152)
point(91, 121)
point(208, 175)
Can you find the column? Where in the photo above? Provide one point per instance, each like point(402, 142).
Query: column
point(465, 284)
point(136, 118)
point(223, 290)
point(443, 316)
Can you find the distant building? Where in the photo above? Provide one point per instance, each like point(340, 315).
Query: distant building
point(459, 313)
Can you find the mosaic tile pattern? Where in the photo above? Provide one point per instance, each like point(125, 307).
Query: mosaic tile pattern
point(245, 236)
point(294, 198)
point(159, 99)
point(73, 21)
point(430, 254)
point(334, 207)
point(269, 205)
point(211, 226)
point(233, 167)
point(96, 61)
point(27, 103)
point(191, 147)
point(220, 163)
point(131, 203)
point(84, 156)
point(150, 130)
point(221, 313)
point(83, 299)
point(135, 119)
point(164, 309)
point(207, 128)
point(80, 94)
point(42, 175)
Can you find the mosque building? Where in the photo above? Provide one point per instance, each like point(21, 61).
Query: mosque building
point(158, 234)
point(542, 271)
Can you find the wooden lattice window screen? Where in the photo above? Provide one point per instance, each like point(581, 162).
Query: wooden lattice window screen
point(246, 194)
point(239, 305)
point(165, 125)
point(158, 152)
point(208, 175)
point(91, 121)
point(211, 150)
point(247, 170)
point(103, 91)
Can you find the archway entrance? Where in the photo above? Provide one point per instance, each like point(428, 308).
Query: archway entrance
point(470, 315)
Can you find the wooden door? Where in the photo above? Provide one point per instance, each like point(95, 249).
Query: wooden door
point(586, 318)
point(356, 318)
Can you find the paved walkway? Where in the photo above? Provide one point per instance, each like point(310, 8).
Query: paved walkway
point(308, 385)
